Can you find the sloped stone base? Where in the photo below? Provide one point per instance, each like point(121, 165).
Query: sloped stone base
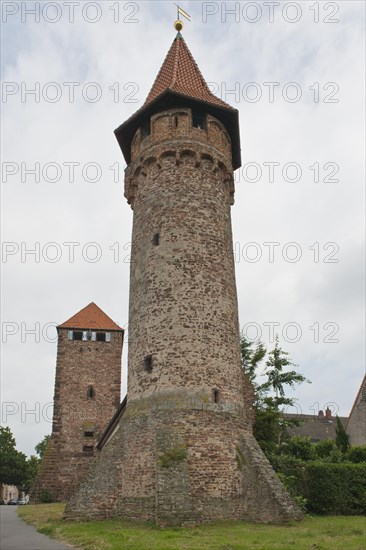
point(182, 467)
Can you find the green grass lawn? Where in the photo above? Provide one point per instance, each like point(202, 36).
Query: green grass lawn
point(313, 533)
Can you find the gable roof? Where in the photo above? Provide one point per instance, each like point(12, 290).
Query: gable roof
point(91, 317)
point(180, 73)
point(316, 427)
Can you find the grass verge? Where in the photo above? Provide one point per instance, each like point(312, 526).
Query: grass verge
point(313, 533)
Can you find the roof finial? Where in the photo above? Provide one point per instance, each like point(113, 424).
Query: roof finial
point(178, 24)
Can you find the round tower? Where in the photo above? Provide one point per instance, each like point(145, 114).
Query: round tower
point(182, 450)
point(184, 357)
point(183, 322)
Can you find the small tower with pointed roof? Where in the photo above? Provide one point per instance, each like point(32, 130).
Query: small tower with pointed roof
point(87, 394)
point(182, 449)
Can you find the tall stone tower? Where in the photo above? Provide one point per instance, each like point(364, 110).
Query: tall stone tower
point(87, 394)
point(183, 449)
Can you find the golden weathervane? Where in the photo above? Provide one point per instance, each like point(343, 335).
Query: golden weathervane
point(178, 24)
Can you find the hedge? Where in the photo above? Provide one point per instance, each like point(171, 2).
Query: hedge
point(329, 488)
point(335, 488)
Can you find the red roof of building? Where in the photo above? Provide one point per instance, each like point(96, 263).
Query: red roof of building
point(91, 317)
point(180, 73)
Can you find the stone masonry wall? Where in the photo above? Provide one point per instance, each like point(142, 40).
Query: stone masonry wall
point(80, 365)
point(184, 452)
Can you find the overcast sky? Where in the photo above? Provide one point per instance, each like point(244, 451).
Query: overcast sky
point(296, 74)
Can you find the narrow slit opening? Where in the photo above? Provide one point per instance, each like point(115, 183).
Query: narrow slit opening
point(148, 363)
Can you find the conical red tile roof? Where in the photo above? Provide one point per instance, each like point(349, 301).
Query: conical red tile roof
point(179, 73)
point(91, 317)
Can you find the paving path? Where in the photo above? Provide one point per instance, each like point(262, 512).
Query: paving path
point(17, 535)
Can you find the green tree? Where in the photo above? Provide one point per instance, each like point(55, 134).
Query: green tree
point(251, 358)
point(325, 449)
point(41, 447)
point(299, 447)
point(32, 469)
point(270, 425)
point(277, 377)
point(342, 439)
point(13, 464)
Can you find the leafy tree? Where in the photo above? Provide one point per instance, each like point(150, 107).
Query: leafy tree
point(277, 378)
point(342, 439)
point(41, 447)
point(250, 358)
point(32, 469)
point(325, 449)
point(270, 425)
point(299, 447)
point(13, 464)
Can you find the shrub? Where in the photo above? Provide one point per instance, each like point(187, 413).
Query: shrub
point(173, 455)
point(335, 488)
point(324, 449)
point(46, 496)
point(292, 486)
point(356, 454)
point(299, 447)
point(326, 487)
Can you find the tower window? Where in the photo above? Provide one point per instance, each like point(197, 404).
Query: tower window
point(156, 239)
point(102, 337)
point(145, 129)
point(77, 335)
point(216, 396)
point(91, 392)
point(199, 120)
point(88, 434)
point(176, 122)
point(148, 363)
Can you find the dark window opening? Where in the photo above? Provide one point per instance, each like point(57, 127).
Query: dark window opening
point(148, 363)
point(145, 129)
point(156, 239)
point(175, 122)
point(88, 449)
point(76, 335)
point(199, 120)
point(100, 336)
point(216, 396)
point(91, 392)
point(88, 434)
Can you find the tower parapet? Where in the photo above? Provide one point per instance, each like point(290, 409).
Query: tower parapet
point(191, 136)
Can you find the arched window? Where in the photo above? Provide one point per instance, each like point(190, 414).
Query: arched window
point(91, 392)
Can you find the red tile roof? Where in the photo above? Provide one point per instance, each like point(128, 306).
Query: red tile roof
point(180, 73)
point(90, 317)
